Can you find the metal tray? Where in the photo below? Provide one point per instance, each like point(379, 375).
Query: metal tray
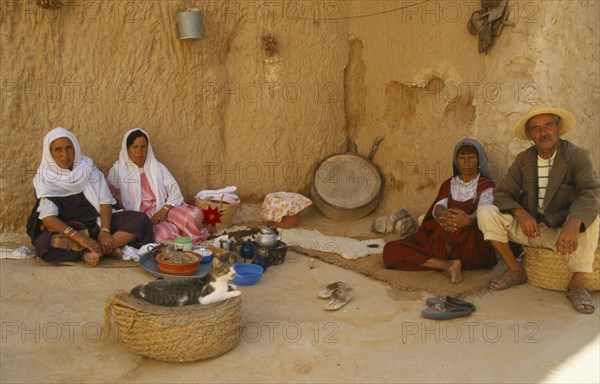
point(149, 264)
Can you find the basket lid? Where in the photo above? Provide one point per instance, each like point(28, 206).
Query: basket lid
point(347, 181)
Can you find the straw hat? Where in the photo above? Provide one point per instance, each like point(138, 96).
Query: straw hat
point(567, 120)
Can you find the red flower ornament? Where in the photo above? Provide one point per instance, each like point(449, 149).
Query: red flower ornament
point(212, 216)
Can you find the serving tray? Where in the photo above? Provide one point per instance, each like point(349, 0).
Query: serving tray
point(149, 264)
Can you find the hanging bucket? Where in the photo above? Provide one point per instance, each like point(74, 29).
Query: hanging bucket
point(190, 24)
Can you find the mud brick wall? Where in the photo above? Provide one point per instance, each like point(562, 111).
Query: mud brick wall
point(224, 110)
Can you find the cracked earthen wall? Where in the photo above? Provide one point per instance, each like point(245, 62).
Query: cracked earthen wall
point(223, 111)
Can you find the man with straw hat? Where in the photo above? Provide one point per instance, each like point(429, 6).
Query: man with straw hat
point(550, 198)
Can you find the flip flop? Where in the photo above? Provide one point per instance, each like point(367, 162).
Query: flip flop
point(326, 293)
point(580, 299)
point(339, 298)
point(445, 311)
point(431, 301)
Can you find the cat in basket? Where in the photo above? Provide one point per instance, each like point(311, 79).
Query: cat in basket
point(207, 289)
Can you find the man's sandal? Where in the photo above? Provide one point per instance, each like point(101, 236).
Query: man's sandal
point(508, 279)
point(580, 299)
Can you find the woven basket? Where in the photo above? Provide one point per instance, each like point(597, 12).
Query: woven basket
point(547, 269)
point(180, 334)
point(217, 212)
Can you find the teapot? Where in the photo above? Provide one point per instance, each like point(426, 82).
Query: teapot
point(267, 238)
point(247, 250)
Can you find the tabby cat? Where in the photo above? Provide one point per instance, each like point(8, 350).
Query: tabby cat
point(208, 289)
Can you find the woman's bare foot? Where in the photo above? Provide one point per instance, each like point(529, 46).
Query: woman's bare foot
point(454, 271)
point(91, 258)
point(117, 254)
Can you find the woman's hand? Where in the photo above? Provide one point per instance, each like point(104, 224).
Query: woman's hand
point(89, 243)
point(160, 215)
point(106, 241)
point(454, 219)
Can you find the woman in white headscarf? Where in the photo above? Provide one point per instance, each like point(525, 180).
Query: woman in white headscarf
point(142, 183)
point(73, 217)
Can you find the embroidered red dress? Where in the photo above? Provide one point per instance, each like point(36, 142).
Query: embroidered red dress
point(467, 244)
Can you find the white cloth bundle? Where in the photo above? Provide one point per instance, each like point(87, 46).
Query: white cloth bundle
point(227, 194)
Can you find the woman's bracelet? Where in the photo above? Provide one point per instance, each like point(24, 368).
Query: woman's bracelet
point(167, 207)
point(69, 231)
point(105, 230)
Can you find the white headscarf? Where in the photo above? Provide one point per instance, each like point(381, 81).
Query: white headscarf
point(128, 176)
point(54, 181)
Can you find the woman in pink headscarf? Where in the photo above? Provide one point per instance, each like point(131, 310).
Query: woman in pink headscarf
point(144, 184)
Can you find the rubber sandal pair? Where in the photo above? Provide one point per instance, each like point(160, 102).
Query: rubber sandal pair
point(339, 293)
point(446, 308)
point(580, 299)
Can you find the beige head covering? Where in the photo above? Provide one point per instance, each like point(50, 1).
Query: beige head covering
point(567, 121)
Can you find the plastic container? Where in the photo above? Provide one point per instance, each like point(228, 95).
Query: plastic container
point(247, 274)
point(183, 243)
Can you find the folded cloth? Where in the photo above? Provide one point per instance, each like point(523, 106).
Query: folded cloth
point(18, 254)
point(228, 198)
point(280, 204)
point(130, 253)
point(211, 193)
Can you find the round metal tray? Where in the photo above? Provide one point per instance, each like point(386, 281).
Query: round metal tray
point(149, 264)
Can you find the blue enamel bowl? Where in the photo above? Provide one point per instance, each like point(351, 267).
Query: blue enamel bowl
point(206, 254)
point(247, 274)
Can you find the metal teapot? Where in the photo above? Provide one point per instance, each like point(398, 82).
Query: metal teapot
point(266, 237)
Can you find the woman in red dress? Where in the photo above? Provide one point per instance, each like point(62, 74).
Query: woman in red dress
point(448, 238)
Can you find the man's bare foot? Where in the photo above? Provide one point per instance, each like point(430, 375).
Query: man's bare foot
point(91, 258)
point(454, 271)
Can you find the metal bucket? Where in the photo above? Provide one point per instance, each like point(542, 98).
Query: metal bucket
point(189, 24)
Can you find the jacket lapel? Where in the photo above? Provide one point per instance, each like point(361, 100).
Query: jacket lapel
point(557, 174)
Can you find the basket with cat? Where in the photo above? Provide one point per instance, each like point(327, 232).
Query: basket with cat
point(184, 319)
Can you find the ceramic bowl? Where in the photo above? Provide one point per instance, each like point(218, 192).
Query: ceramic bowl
point(186, 268)
point(206, 254)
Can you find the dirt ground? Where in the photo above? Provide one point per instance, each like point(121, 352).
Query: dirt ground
point(51, 319)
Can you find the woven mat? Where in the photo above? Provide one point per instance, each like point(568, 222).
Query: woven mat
point(105, 262)
point(435, 282)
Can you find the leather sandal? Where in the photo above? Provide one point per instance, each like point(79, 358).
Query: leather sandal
point(339, 298)
point(508, 279)
point(326, 293)
point(580, 299)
